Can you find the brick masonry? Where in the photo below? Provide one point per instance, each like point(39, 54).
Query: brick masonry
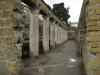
point(89, 36)
point(10, 37)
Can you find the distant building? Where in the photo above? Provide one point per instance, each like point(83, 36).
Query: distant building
point(73, 24)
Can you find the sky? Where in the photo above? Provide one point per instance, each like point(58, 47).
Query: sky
point(75, 7)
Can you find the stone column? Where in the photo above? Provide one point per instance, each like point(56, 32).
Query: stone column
point(34, 32)
point(56, 34)
point(46, 33)
point(52, 34)
point(60, 34)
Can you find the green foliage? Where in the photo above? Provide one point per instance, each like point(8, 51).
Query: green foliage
point(61, 12)
point(25, 50)
point(40, 46)
point(26, 25)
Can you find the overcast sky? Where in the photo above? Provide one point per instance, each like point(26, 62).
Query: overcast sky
point(75, 7)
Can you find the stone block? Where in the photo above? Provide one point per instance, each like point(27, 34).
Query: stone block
point(98, 23)
point(93, 28)
point(94, 1)
point(1, 56)
point(2, 48)
point(10, 23)
point(21, 39)
point(4, 72)
point(98, 33)
point(2, 6)
point(95, 72)
point(92, 23)
point(95, 50)
point(92, 12)
point(94, 17)
point(0, 14)
point(1, 23)
point(98, 55)
point(98, 12)
point(93, 44)
point(9, 5)
point(7, 31)
point(98, 67)
point(93, 38)
point(93, 7)
point(12, 40)
point(92, 33)
point(11, 57)
point(12, 65)
point(2, 40)
point(13, 73)
point(2, 64)
point(7, 14)
point(11, 49)
point(93, 66)
point(95, 61)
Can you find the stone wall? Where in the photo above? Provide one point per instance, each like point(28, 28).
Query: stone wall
point(10, 37)
point(89, 36)
point(72, 33)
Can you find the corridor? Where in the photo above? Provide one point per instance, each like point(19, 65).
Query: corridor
point(61, 61)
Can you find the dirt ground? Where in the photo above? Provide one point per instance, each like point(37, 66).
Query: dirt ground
point(61, 61)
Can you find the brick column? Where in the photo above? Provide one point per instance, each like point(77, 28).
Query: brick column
point(52, 34)
point(34, 32)
point(46, 33)
point(10, 38)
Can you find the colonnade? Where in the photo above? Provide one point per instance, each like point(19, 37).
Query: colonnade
point(58, 34)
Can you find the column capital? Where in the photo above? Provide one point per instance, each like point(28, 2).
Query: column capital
point(46, 17)
point(53, 22)
point(34, 10)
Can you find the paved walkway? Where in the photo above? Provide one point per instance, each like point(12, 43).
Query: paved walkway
point(61, 61)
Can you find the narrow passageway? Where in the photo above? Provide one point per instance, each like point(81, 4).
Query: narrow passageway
point(61, 61)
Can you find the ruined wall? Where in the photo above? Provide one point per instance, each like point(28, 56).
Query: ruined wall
point(89, 36)
point(72, 33)
point(11, 37)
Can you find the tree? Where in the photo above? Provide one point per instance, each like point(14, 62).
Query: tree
point(61, 12)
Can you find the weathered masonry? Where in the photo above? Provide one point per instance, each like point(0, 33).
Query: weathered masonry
point(89, 36)
point(11, 39)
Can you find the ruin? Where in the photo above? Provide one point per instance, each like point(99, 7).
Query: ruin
point(11, 31)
